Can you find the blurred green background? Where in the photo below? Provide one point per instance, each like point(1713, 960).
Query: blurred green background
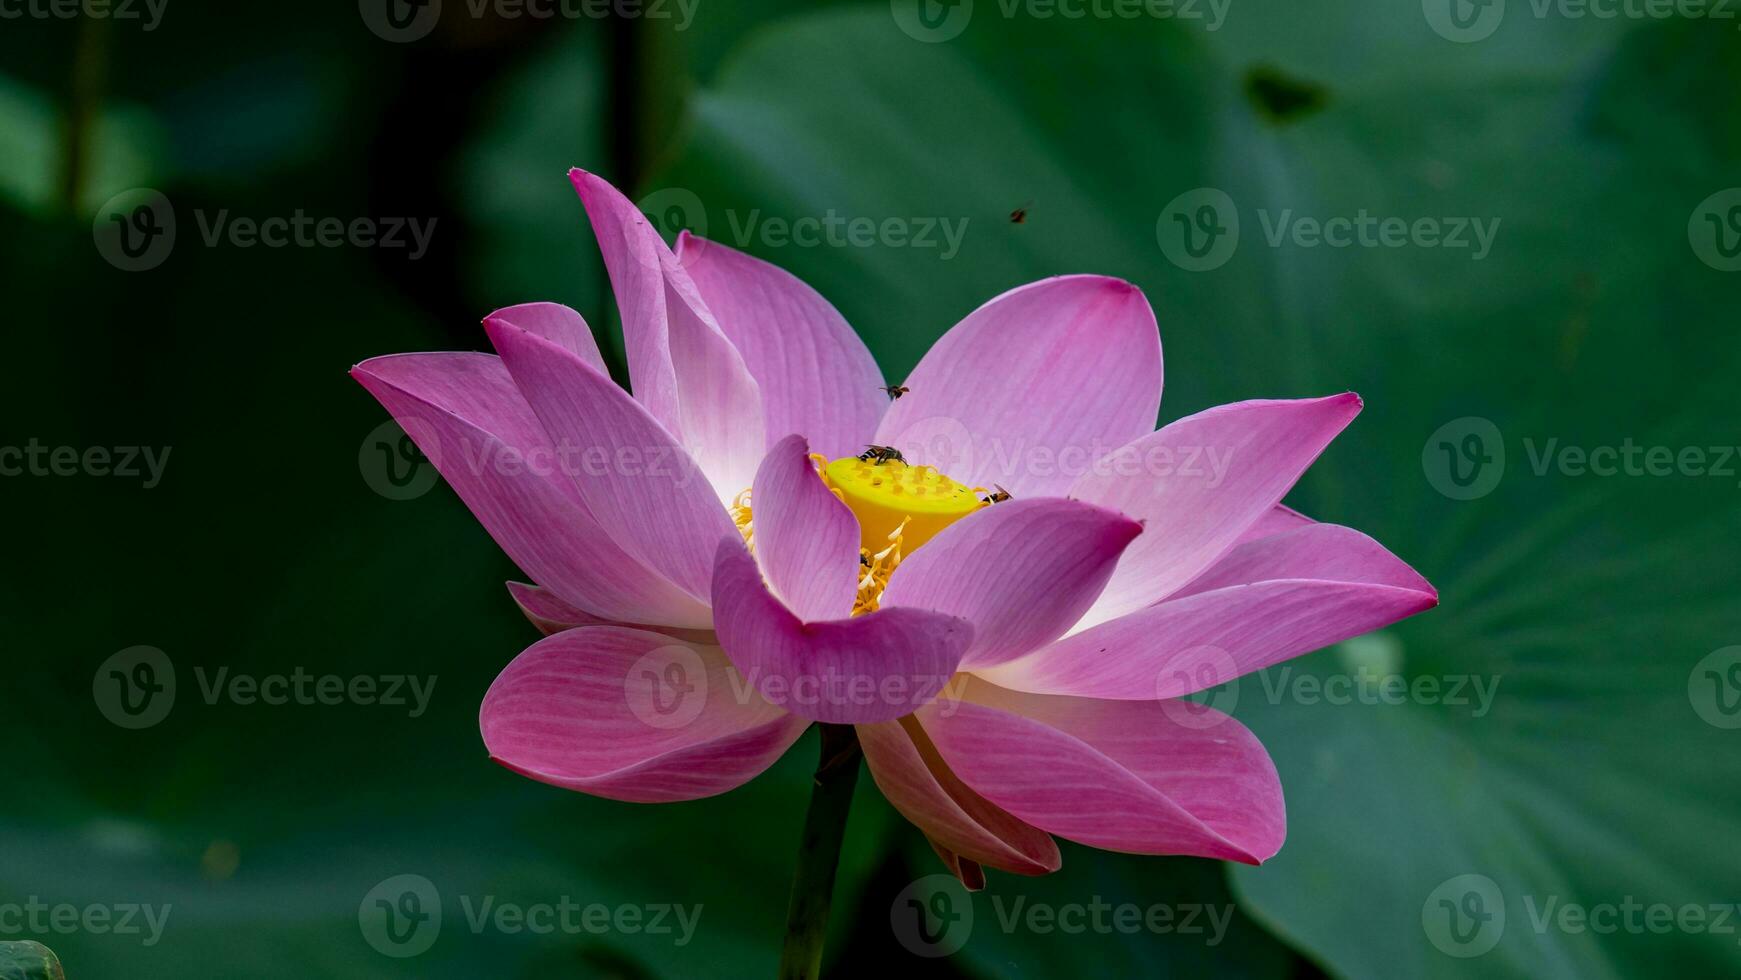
point(1600, 611)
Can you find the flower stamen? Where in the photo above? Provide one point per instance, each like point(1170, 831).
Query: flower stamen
point(744, 518)
point(899, 507)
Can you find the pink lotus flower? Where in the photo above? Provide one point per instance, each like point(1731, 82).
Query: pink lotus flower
point(1014, 668)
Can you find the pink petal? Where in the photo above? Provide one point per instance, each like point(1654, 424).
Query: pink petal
point(1199, 483)
point(865, 669)
point(463, 410)
point(631, 715)
point(548, 613)
point(719, 404)
point(631, 250)
point(1033, 386)
point(557, 324)
point(1143, 777)
point(1022, 572)
point(817, 377)
point(1274, 521)
point(806, 540)
point(958, 821)
point(551, 615)
point(1325, 552)
point(638, 483)
point(681, 366)
point(1329, 584)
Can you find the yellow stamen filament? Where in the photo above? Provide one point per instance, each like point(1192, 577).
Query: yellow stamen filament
point(744, 518)
point(877, 569)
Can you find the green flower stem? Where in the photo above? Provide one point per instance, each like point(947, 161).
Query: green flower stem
point(819, 853)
